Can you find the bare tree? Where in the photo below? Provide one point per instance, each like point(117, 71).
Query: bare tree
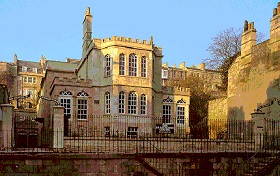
point(224, 49)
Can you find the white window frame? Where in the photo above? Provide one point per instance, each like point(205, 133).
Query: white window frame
point(121, 103)
point(25, 79)
point(132, 103)
point(164, 74)
point(29, 79)
point(121, 64)
point(132, 132)
point(107, 65)
point(180, 112)
point(166, 113)
point(35, 70)
point(82, 105)
point(107, 103)
point(132, 65)
point(143, 104)
point(24, 69)
point(34, 80)
point(143, 67)
point(64, 96)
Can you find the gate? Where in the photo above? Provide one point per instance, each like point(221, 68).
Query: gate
point(26, 131)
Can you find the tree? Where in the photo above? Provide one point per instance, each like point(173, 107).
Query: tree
point(198, 108)
point(224, 49)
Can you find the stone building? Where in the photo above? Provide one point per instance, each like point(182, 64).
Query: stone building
point(253, 77)
point(116, 76)
point(29, 76)
point(176, 75)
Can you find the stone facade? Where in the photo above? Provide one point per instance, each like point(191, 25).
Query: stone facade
point(254, 76)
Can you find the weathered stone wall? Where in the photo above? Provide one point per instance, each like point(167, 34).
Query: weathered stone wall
point(69, 165)
point(102, 164)
point(217, 109)
point(253, 83)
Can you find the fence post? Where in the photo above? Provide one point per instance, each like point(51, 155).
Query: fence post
point(259, 127)
point(58, 127)
point(6, 117)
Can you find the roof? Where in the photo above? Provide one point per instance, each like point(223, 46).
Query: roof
point(61, 66)
point(30, 65)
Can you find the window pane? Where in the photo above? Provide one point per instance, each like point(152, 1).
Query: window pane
point(132, 65)
point(166, 113)
point(122, 64)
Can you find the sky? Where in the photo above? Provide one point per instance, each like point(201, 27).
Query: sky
point(183, 28)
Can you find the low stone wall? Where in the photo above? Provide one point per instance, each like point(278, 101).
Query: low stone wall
point(116, 164)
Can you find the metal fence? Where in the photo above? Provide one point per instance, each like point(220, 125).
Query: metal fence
point(137, 134)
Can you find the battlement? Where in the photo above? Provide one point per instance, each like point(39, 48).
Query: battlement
point(127, 40)
point(176, 90)
point(73, 80)
point(201, 66)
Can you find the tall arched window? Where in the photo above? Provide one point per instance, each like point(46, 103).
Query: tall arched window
point(132, 103)
point(122, 64)
point(107, 65)
point(65, 99)
point(107, 103)
point(121, 103)
point(143, 67)
point(132, 65)
point(166, 110)
point(181, 111)
point(82, 108)
point(143, 105)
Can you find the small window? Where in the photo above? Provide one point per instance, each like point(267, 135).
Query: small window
point(34, 80)
point(173, 74)
point(34, 70)
point(25, 79)
point(107, 103)
point(107, 131)
point(164, 73)
point(132, 132)
point(181, 74)
point(29, 79)
point(24, 69)
point(19, 91)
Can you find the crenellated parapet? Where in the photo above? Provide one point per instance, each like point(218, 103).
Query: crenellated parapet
point(71, 81)
point(128, 40)
point(124, 42)
point(176, 90)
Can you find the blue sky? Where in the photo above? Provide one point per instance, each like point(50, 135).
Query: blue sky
point(183, 28)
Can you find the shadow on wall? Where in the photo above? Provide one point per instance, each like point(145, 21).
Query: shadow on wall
point(272, 104)
point(236, 113)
